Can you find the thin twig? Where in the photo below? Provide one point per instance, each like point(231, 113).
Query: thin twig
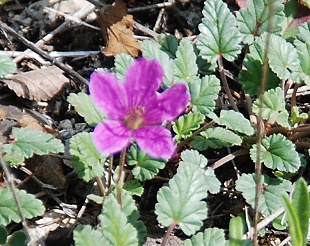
point(229, 157)
point(151, 7)
point(74, 75)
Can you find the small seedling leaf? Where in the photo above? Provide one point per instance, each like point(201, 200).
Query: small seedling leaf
point(210, 237)
point(273, 107)
point(218, 36)
point(269, 199)
point(134, 187)
point(277, 153)
point(186, 124)
point(255, 19)
point(86, 108)
point(297, 117)
point(30, 206)
point(237, 228)
point(203, 92)
point(87, 161)
point(7, 66)
point(185, 67)
point(28, 142)
point(146, 167)
point(181, 201)
point(213, 183)
point(87, 236)
point(121, 63)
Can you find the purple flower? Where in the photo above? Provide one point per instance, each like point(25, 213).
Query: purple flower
point(135, 110)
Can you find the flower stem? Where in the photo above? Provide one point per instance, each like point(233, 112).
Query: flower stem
point(119, 182)
point(101, 186)
point(167, 234)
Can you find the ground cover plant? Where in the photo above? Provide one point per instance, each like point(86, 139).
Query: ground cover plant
point(178, 126)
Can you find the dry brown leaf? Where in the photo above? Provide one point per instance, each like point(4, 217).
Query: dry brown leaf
point(117, 27)
point(38, 85)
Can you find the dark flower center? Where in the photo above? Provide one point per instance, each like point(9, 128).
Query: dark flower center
point(134, 119)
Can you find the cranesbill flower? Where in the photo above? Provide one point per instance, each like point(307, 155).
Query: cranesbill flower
point(135, 110)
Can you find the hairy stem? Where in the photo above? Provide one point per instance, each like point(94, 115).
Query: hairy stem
point(120, 177)
point(225, 84)
point(168, 233)
point(101, 186)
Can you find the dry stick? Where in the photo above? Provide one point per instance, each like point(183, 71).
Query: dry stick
point(74, 75)
point(159, 20)
point(10, 183)
point(228, 158)
point(151, 7)
point(225, 84)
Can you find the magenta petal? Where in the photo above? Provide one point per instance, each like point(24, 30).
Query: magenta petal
point(111, 137)
point(143, 78)
point(108, 94)
point(172, 102)
point(156, 141)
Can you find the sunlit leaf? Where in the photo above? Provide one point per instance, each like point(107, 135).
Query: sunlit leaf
point(255, 18)
point(210, 237)
point(181, 201)
point(272, 190)
point(304, 33)
point(87, 236)
point(146, 167)
point(237, 228)
point(87, 161)
point(186, 124)
point(169, 44)
point(297, 117)
point(28, 142)
point(273, 107)
point(86, 108)
point(303, 49)
point(121, 63)
point(7, 66)
point(30, 206)
point(185, 66)
point(203, 92)
point(219, 35)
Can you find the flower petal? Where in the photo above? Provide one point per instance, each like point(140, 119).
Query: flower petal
point(108, 94)
point(172, 102)
point(142, 80)
point(111, 137)
point(156, 141)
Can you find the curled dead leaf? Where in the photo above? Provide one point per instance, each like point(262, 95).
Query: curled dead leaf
point(117, 28)
point(39, 85)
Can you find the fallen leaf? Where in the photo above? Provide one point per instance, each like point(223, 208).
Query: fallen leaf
point(117, 27)
point(39, 85)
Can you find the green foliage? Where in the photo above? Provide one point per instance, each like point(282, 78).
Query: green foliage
point(298, 212)
point(269, 199)
point(210, 237)
point(237, 228)
point(169, 44)
point(134, 187)
point(121, 63)
point(86, 108)
point(28, 142)
point(86, 159)
point(255, 19)
point(181, 201)
point(30, 206)
point(186, 124)
point(218, 36)
point(146, 167)
point(86, 236)
point(296, 117)
point(277, 153)
point(17, 238)
point(215, 138)
point(203, 93)
point(3, 234)
point(7, 66)
point(273, 107)
point(303, 49)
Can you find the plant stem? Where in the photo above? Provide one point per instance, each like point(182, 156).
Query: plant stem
point(110, 171)
point(101, 186)
point(167, 234)
point(120, 177)
point(225, 84)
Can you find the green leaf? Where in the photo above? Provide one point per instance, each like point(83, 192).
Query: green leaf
point(169, 44)
point(215, 138)
point(86, 108)
point(277, 153)
point(95, 198)
point(114, 223)
point(283, 57)
point(255, 19)
point(203, 92)
point(304, 33)
point(121, 63)
point(7, 66)
point(297, 117)
point(146, 167)
point(185, 67)
point(210, 237)
point(28, 142)
point(181, 201)
point(18, 238)
point(219, 35)
point(151, 50)
point(273, 107)
point(237, 228)
point(269, 199)
point(30, 206)
point(87, 236)
point(193, 156)
point(235, 121)
point(186, 124)
point(303, 49)
point(134, 187)
point(3, 234)
point(87, 161)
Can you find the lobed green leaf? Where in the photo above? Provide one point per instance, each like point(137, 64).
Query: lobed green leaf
point(7, 66)
point(210, 237)
point(87, 236)
point(121, 63)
